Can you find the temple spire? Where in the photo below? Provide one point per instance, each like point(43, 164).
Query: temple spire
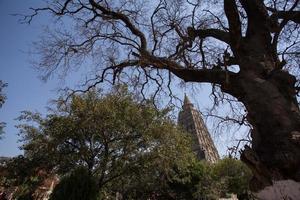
point(187, 102)
point(191, 120)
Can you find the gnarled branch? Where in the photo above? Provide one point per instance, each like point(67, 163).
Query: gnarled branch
point(234, 22)
point(204, 33)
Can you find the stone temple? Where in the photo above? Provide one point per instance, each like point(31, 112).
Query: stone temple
point(190, 119)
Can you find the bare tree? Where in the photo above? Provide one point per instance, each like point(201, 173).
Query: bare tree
point(247, 49)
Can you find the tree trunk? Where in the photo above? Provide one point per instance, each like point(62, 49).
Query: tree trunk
point(275, 118)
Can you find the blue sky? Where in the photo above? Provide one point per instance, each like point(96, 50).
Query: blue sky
point(25, 90)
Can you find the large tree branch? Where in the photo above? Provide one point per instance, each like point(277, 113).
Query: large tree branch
point(116, 70)
point(255, 10)
point(280, 15)
point(59, 11)
point(234, 22)
point(125, 19)
point(258, 18)
point(289, 15)
point(217, 76)
point(204, 33)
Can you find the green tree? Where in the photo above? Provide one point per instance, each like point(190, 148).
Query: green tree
point(23, 173)
point(194, 182)
point(234, 177)
point(209, 181)
point(247, 49)
point(124, 144)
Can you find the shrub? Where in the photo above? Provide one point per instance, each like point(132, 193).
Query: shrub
point(79, 185)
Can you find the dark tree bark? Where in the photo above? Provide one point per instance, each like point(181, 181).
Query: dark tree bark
point(268, 94)
point(267, 91)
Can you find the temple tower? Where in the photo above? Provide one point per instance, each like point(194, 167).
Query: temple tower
point(190, 119)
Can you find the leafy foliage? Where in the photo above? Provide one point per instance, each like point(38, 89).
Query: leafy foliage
point(185, 183)
point(211, 181)
point(16, 174)
point(24, 192)
point(234, 176)
point(79, 184)
point(23, 173)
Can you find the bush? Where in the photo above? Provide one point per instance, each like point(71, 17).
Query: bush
point(211, 181)
point(234, 175)
point(79, 185)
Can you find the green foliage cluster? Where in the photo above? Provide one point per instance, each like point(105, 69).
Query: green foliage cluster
point(207, 181)
point(15, 174)
point(79, 184)
point(233, 176)
point(22, 173)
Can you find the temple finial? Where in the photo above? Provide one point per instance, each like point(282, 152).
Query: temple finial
point(186, 101)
